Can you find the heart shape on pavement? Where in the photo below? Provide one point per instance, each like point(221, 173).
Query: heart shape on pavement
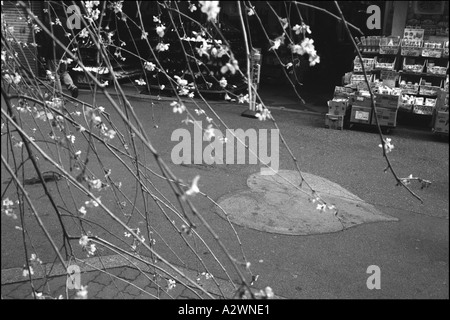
point(275, 205)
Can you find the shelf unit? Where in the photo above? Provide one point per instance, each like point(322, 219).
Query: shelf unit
point(416, 68)
point(381, 56)
point(423, 72)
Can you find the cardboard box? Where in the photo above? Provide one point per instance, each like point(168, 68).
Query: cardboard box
point(369, 64)
point(421, 109)
point(343, 92)
point(441, 122)
point(337, 106)
point(386, 117)
point(386, 101)
point(356, 78)
point(360, 114)
point(333, 121)
point(442, 102)
point(362, 101)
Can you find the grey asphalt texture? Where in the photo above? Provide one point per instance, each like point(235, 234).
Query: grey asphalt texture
point(412, 253)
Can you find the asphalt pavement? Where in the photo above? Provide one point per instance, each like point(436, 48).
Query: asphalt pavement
point(411, 250)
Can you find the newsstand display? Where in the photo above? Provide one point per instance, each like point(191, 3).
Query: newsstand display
point(408, 76)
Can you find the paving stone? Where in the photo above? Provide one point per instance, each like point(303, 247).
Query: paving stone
point(94, 288)
point(129, 274)
point(132, 290)
point(107, 293)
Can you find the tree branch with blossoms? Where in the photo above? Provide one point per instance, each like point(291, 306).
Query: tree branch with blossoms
point(81, 141)
point(99, 203)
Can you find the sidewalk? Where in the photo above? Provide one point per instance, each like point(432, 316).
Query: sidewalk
point(274, 97)
point(123, 280)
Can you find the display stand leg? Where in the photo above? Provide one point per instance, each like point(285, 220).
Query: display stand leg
point(249, 113)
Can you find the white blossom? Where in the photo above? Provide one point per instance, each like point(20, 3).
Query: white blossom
point(187, 121)
point(211, 8)
point(162, 46)
point(192, 7)
point(95, 184)
point(180, 81)
point(223, 82)
point(388, 147)
point(149, 66)
point(82, 210)
point(276, 43)
point(177, 107)
point(117, 6)
point(71, 138)
point(7, 202)
point(84, 33)
point(300, 29)
point(92, 203)
point(194, 187)
point(82, 293)
point(232, 67)
point(84, 241)
point(171, 284)
point(95, 14)
point(27, 271)
point(284, 23)
point(209, 133)
point(140, 82)
point(160, 30)
point(110, 134)
point(263, 115)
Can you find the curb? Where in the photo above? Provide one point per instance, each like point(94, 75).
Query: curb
point(164, 98)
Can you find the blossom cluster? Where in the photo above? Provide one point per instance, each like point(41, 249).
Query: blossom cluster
point(91, 13)
point(8, 208)
point(322, 206)
point(12, 78)
point(306, 46)
point(263, 113)
point(87, 245)
point(267, 293)
point(207, 276)
point(33, 261)
point(388, 146)
point(211, 9)
point(93, 116)
point(140, 239)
